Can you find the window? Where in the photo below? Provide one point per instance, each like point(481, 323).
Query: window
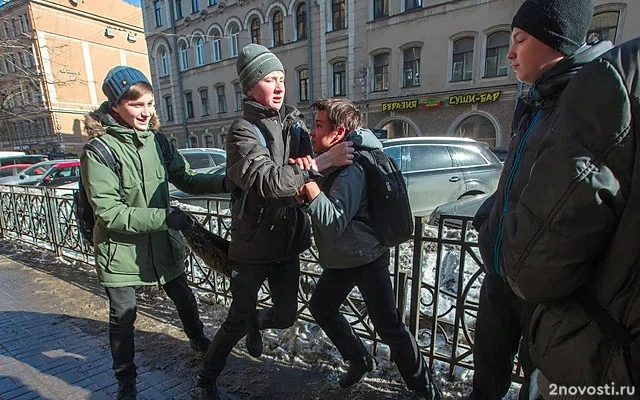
point(174, 142)
point(222, 99)
point(208, 141)
point(157, 6)
point(278, 37)
point(301, 21)
point(303, 78)
point(422, 158)
point(339, 80)
point(164, 62)
point(462, 68)
point(20, 59)
point(184, 57)
point(238, 91)
point(168, 105)
point(204, 102)
point(216, 52)
point(213, 2)
point(411, 67)
point(195, 7)
point(381, 72)
point(28, 59)
point(255, 31)
point(477, 127)
point(604, 26)
point(14, 28)
point(466, 157)
point(7, 32)
point(193, 143)
point(412, 4)
point(338, 10)
point(496, 63)
point(178, 9)
point(380, 9)
point(234, 31)
point(189, 100)
point(200, 51)
point(23, 25)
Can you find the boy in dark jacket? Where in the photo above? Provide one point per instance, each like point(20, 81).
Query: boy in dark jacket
point(135, 234)
point(351, 255)
point(268, 228)
point(547, 50)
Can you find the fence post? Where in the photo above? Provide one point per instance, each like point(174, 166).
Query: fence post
point(416, 278)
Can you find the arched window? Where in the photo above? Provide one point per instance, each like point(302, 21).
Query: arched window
point(399, 129)
point(278, 36)
point(411, 68)
point(255, 31)
point(339, 79)
point(200, 51)
point(301, 21)
point(605, 26)
point(381, 72)
point(496, 63)
point(216, 52)
point(234, 32)
point(164, 62)
point(477, 127)
point(184, 57)
point(462, 67)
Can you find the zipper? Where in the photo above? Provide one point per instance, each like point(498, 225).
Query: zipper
point(510, 178)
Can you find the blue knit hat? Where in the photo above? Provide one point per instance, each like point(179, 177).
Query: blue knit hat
point(119, 80)
point(254, 63)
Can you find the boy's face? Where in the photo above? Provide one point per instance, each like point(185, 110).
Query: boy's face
point(323, 135)
point(137, 113)
point(529, 57)
point(269, 91)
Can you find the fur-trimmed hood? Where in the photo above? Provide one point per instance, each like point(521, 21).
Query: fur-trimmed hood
point(96, 121)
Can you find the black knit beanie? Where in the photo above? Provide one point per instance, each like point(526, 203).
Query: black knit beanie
point(560, 24)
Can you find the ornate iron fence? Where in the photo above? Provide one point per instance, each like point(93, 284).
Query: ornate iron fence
point(436, 275)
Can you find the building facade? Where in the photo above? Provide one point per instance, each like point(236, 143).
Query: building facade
point(414, 68)
point(54, 55)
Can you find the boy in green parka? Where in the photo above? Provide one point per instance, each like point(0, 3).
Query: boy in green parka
point(136, 235)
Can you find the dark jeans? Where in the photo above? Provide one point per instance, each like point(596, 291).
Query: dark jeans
point(122, 315)
point(502, 327)
point(246, 280)
point(374, 284)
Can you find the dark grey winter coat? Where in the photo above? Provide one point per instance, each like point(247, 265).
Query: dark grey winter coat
point(267, 224)
point(530, 126)
point(577, 223)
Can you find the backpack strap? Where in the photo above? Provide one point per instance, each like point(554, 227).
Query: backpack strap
point(261, 138)
point(165, 146)
point(104, 153)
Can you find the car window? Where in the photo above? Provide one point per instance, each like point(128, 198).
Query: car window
point(6, 172)
point(62, 172)
point(395, 153)
point(198, 160)
point(465, 157)
point(218, 158)
point(37, 169)
point(426, 157)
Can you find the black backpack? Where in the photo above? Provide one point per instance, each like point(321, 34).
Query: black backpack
point(81, 206)
point(388, 199)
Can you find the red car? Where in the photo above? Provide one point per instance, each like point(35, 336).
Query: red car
point(63, 172)
point(12, 170)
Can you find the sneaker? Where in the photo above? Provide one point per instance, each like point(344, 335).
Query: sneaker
point(254, 342)
point(430, 393)
point(200, 345)
point(206, 389)
point(357, 369)
point(127, 390)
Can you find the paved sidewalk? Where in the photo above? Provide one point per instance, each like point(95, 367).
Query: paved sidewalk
point(52, 349)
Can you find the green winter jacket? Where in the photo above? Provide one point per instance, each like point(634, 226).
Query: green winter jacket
point(133, 245)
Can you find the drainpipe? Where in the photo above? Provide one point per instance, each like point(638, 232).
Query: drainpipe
point(307, 5)
point(179, 72)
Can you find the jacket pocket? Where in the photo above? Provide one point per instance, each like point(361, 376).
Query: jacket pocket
point(252, 216)
point(177, 246)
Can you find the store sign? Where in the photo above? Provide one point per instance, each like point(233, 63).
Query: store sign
point(472, 98)
point(400, 105)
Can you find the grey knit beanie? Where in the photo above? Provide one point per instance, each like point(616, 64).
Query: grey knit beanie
point(560, 24)
point(254, 63)
point(119, 80)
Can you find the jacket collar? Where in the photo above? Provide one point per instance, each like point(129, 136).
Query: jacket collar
point(256, 111)
point(100, 122)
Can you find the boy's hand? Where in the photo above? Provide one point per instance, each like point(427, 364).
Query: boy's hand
point(309, 191)
point(341, 154)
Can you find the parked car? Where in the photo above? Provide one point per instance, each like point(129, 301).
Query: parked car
point(499, 152)
point(34, 172)
point(439, 170)
point(203, 159)
point(8, 159)
point(199, 201)
point(60, 173)
point(466, 207)
point(7, 171)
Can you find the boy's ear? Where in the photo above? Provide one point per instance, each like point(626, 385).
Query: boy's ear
point(341, 132)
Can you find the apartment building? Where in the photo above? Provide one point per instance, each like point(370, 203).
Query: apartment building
point(414, 67)
point(54, 55)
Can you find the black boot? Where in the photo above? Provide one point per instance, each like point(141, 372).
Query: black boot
point(357, 369)
point(200, 344)
point(127, 390)
point(254, 342)
point(207, 389)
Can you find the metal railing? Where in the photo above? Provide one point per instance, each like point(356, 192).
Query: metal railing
point(436, 275)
